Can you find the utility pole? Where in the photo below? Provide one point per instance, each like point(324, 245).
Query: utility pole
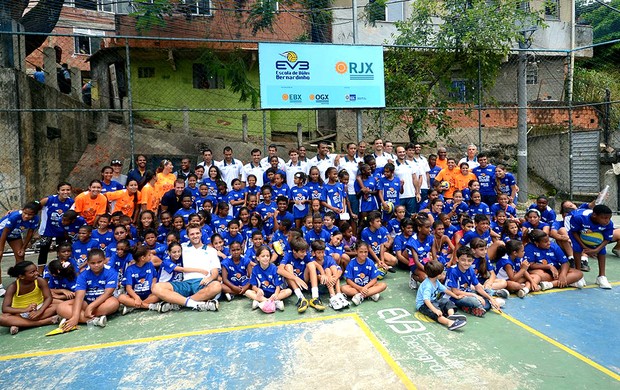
point(358, 112)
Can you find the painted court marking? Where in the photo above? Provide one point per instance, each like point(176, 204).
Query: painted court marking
point(378, 346)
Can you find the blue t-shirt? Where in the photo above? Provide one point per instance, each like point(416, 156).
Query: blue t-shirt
point(113, 186)
point(506, 183)
point(400, 242)
point(375, 239)
point(312, 235)
point(554, 255)
point(184, 213)
point(393, 227)
point(95, 285)
point(104, 239)
point(237, 272)
point(423, 249)
point(120, 263)
point(476, 267)
point(462, 280)
point(235, 195)
point(228, 239)
point(283, 190)
point(299, 265)
point(460, 209)
point(548, 215)
point(500, 266)
point(266, 279)
point(51, 216)
point(390, 189)
point(579, 221)
point(361, 274)
point(220, 224)
point(510, 211)
point(486, 178)
point(16, 225)
point(470, 235)
point(299, 194)
point(334, 195)
point(314, 190)
point(367, 202)
point(167, 271)
point(433, 172)
point(481, 208)
point(263, 209)
point(140, 278)
point(429, 290)
point(79, 250)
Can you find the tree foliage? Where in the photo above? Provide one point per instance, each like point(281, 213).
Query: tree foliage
point(41, 18)
point(465, 36)
point(605, 24)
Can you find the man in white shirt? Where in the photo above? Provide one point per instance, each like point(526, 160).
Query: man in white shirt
point(293, 166)
point(324, 160)
point(230, 167)
point(198, 290)
point(388, 150)
point(380, 157)
point(471, 159)
point(409, 175)
point(272, 150)
point(350, 163)
point(207, 160)
point(413, 155)
point(254, 167)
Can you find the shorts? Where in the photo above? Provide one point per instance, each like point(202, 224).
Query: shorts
point(444, 304)
point(187, 288)
point(579, 249)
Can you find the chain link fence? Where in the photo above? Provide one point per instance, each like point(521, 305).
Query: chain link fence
point(115, 97)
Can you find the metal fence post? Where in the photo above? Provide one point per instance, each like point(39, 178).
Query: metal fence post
point(129, 100)
point(265, 132)
point(300, 139)
point(185, 119)
point(244, 127)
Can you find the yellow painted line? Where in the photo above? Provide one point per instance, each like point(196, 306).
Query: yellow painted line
point(172, 336)
point(557, 290)
point(384, 353)
point(561, 346)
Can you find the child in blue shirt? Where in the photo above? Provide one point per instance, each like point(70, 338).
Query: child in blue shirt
point(94, 294)
point(220, 221)
point(361, 277)
point(329, 275)
point(120, 258)
point(266, 209)
point(266, 282)
point(138, 280)
point(432, 299)
point(389, 189)
point(236, 273)
point(186, 208)
point(469, 293)
point(317, 232)
point(400, 241)
point(236, 197)
point(335, 250)
point(421, 248)
point(82, 246)
point(233, 234)
point(513, 268)
point(379, 240)
point(103, 234)
point(333, 195)
point(299, 198)
point(329, 223)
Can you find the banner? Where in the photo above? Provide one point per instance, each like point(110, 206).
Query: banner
point(295, 76)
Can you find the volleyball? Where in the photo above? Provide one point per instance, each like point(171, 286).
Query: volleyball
point(291, 56)
point(278, 248)
point(591, 239)
point(444, 185)
point(389, 207)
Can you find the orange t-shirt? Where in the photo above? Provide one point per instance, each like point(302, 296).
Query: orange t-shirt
point(451, 177)
point(164, 183)
point(443, 164)
point(463, 181)
point(150, 198)
point(90, 208)
point(123, 201)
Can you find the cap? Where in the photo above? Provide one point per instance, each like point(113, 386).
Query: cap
point(116, 162)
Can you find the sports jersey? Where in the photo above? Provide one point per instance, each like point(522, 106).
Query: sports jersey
point(404, 171)
point(400, 242)
point(352, 167)
point(120, 263)
point(390, 189)
point(113, 186)
point(368, 202)
point(263, 209)
point(200, 201)
point(51, 216)
point(423, 249)
point(449, 175)
point(283, 190)
point(375, 239)
point(251, 169)
point(554, 255)
point(220, 224)
point(486, 178)
point(450, 231)
point(361, 274)
point(509, 210)
point(123, 201)
point(212, 186)
point(149, 197)
point(164, 183)
point(16, 225)
point(90, 208)
point(300, 194)
point(266, 279)
point(481, 208)
point(235, 195)
point(111, 248)
point(393, 227)
point(331, 250)
point(328, 262)
point(476, 267)
point(228, 239)
point(292, 169)
point(462, 280)
point(299, 265)
point(167, 271)
point(323, 163)
point(230, 170)
point(184, 213)
point(314, 189)
point(140, 278)
point(237, 272)
point(500, 266)
point(460, 209)
point(470, 235)
point(433, 172)
point(104, 239)
point(79, 250)
point(72, 228)
point(580, 221)
point(95, 285)
point(429, 290)
point(548, 215)
point(540, 225)
point(333, 195)
point(506, 183)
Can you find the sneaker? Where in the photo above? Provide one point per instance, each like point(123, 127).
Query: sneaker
point(455, 317)
point(211, 305)
point(581, 283)
point(357, 299)
point(2, 290)
point(603, 282)
point(255, 305)
point(546, 285)
point(413, 284)
point(302, 305)
point(343, 300)
point(100, 321)
point(523, 292)
point(571, 262)
point(503, 293)
point(616, 252)
point(457, 324)
point(280, 305)
point(382, 272)
point(165, 307)
point(500, 301)
point(375, 297)
point(475, 311)
point(13, 330)
point(392, 270)
point(229, 297)
point(126, 309)
point(335, 303)
point(585, 266)
point(316, 304)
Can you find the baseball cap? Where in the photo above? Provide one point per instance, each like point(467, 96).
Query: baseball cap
point(116, 162)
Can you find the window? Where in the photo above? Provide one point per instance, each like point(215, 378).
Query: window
point(395, 11)
point(531, 74)
point(202, 79)
point(87, 41)
point(199, 7)
point(552, 9)
point(105, 5)
point(86, 4)
point(376, 11)
point(458, 91)
point(146, 72)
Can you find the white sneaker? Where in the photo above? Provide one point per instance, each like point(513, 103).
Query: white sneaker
point(581, 283)
point(413, 284)
point(343, 300)
point(229, 297)
point(280, 305)
point(211, 305)
point(500, 301)
point(603, 282)
point(126, 309)
point(255, 305)
point(523, 292)
point(545, 286)
point(375, 297)
point(357, 299)
point(100, 321)
point(335, 303)
point(2, 290)
point(165, 307)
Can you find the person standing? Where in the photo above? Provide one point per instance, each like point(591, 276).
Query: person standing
point(117, 169)
point(230, 167)
point(350, 163)
point(185, 170)
point(442, 158)
point(254, 167)
point(410, 196)
point(207, 159)
point(323, 159)
point(414, 154)
point(138, 172)
point(471, 159)
point(39, 75)
point(485, 173)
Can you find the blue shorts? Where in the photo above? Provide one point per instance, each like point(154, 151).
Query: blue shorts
point(187, 288)
point(579, 249)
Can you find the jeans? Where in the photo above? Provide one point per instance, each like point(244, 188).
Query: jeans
point(472, 302)
point(410, 205)
point(355, 204)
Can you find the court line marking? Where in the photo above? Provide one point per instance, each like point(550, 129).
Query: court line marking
point(358, 320)
point(557, 290)
point(561, 346)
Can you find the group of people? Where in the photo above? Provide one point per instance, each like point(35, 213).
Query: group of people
point(334, 224)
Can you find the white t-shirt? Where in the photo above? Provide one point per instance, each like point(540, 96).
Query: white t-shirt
point(204, 257)
point(251, 169)
point(404, 171)
point(322, 163)
point(472, 163)
point(265, 163)
point(383, 159)
point(230, 170)
point(423, 169)
point(352, 167)
point(291, 170)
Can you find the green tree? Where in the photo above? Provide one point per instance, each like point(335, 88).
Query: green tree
point(474, 34)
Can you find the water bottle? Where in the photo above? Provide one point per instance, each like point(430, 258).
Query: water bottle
point(601, 197)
